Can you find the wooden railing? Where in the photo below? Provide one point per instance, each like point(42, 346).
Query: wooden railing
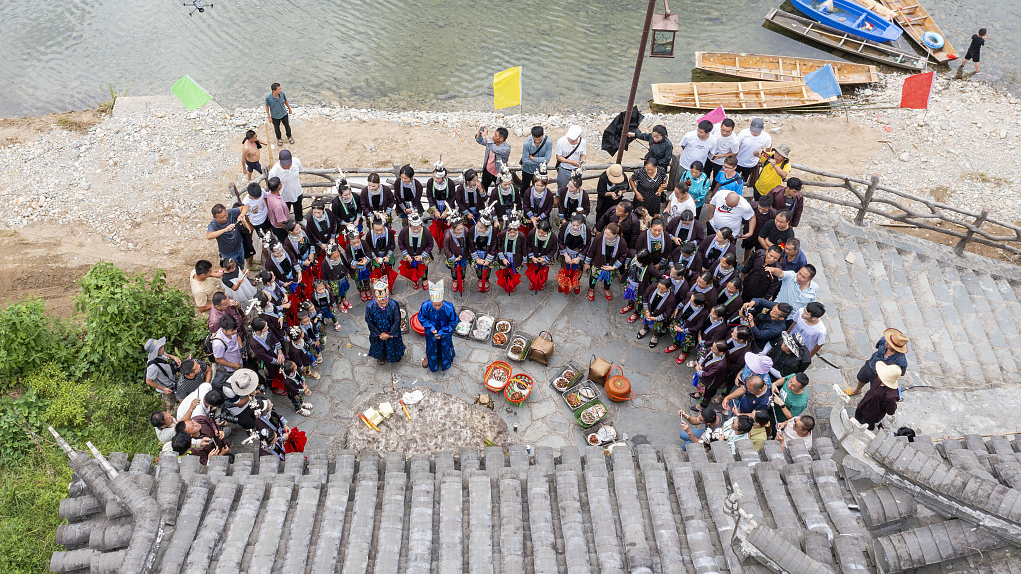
point(922, 212)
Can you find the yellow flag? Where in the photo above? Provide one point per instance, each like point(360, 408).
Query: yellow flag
point(507, 88)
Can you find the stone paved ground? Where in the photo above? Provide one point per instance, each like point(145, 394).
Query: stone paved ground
point(947, 391)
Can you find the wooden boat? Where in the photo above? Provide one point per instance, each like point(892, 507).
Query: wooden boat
point(735, 96)
point(781, 68)
point(849, 17)
point(833, 38)
point(916, 22)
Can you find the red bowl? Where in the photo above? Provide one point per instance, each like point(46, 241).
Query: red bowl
point(416, 325)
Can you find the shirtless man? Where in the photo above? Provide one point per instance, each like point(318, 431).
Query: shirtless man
point(250, 153)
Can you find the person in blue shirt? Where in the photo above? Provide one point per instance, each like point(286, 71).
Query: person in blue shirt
point(728, 178)
point(698, 185)
point(537, 150)
point(793, 257)
point(752, 396)
point(438, 318)
point(278, 111)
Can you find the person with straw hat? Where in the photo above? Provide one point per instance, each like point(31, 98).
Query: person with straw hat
point(882, 398)
point(890, 349)
point(610, 189)
point(438, 318)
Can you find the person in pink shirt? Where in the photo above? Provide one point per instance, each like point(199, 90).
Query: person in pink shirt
point(279, 213)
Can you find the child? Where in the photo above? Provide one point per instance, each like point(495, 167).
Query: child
point(298, 352)
point(324, 303)
point(314, 337)
point(977, 41)
point(294, 384)
point(335, 272)
point(687, 323)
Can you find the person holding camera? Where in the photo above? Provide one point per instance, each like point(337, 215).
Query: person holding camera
point(713, 430)
point(497, 153)
point(766, 320)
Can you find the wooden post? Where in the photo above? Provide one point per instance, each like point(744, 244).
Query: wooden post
point(634, 81)
point(869, 192)
point(959, 248)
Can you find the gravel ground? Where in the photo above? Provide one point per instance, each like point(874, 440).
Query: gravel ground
point(158, 167)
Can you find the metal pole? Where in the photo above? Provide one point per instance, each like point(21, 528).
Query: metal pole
point(634, 80)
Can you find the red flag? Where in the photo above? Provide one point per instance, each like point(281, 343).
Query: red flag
point(916, 90)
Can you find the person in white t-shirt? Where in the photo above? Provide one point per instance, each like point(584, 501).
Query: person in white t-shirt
point(808, 323)
point(680, 200)
point(258, 213)
point(730, 210)
point(290, 184)
point(725, 145)
point(752, 141)
point(202, 408)
point(696, 144)
point(570, 153)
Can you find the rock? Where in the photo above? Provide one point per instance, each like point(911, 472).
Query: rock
point(1003, 133)
point(775, 130)
point(904, 156)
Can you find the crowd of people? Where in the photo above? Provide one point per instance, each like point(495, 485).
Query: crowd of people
point(713, 266)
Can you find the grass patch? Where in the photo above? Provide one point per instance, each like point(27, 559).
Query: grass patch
point(983, 177)
point(107, 106)
point(72, 125)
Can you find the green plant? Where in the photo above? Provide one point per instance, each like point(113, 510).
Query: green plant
point(122, 312)
point(29, 338)
point(72, 125)
point(17, 416)
point(107, 106)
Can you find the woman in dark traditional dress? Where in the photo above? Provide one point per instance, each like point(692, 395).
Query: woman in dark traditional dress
point(383, 318)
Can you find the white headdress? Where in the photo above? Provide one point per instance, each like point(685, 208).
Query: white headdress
point(436, 291)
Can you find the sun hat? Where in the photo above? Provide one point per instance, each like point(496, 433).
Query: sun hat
point(152, 346)
point(785, 150)
point(896, 340)
point(888, 374)
point(794, 342)
point(573, 132)
point(759, 364)
point(244, 382)
point(615, 173)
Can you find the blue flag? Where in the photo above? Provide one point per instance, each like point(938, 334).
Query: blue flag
point(823, 82)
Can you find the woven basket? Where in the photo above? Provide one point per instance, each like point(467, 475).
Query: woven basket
point(496, 366)
point(522, 378)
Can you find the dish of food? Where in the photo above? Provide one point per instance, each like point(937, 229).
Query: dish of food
point(516, 349)
point(592, 414)
point(593, 439)
point(466, 316)
point(516, 396)
point(463, 328)
point(502, 327)
point(561, 383)
point(587, 393)
point(500, 339)
point(573, 400)
point(568, 374)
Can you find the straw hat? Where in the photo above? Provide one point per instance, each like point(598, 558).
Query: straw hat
point(244, 382)
point(615, 173)
point(896, 340)
point(888, 374)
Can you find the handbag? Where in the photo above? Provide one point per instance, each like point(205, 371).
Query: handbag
point(541, 350)
point(598, 369)
point(568, 156)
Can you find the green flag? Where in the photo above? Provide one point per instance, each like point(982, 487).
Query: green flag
point(190, 93)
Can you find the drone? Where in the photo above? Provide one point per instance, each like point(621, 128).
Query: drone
point(197, 5)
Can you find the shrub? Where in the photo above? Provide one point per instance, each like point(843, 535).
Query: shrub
point(121, 312)
point(29, 338)
point(67, 398)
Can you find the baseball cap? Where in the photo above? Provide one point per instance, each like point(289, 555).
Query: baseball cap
point(285, 155)
point(757, 125)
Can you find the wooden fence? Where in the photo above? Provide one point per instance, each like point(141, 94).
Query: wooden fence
point(867, 197)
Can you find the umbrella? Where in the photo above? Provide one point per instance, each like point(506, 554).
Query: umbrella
point(413, 270)
point(437, 228)
point(508, 278)
point(537, 276)
point(611, 135)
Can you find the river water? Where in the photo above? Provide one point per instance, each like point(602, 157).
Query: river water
point(400, 54)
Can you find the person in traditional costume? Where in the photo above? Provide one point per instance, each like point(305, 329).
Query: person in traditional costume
point(379, 239)
point(347, 209)
point(506, 198)
point(687, 256)
point(704, 284)
point(456, 252)
point(572, 199)
point(325, 303)
point(713, 329)
point(408, 194)
point(273, 288)
point(538, 202)
point(438, 318)
point(359, 260)
point(639, 276)
point(658, 308)
point(574, 240)
point(335, 270)
point(630, 226)
point(266, 348)
point(712, 371)
point(383, 318)
point(510, 247)
point(299, 350)
point(322, 226)
point(679, 285)
point(684, 229)
point(482, 245)
point(376, 198)
point(604, 258)
point(289, 274)
point(687, 323)
point(657, 241)
point(725, 269)
point(303, 253)
point(416, 248)
point(470, 197)
point(439, 192)
point(610, 189)
point(540, 251)
point(729, 295)
point(714, 247)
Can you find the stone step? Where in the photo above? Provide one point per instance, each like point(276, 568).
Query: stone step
point(973, 323)
point(1012, 307)
point(843, 293)
point(995, 319)
point(836, 343)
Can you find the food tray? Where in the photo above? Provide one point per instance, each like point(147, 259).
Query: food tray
point(524, 352)
point(578, 414)
point(405, 318)
point(576, 390)
point(475, 335)
point(509, 332)
point(572, 380)
point(471, 324)
point(497, 385)
point(514, 385)
point(593, 438)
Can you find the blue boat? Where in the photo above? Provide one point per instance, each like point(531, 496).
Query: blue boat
point(849, 17)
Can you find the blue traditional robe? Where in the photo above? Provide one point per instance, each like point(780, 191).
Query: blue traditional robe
point(439, 351)
point(384, 320)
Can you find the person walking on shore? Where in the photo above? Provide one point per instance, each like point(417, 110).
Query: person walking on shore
point(278, 111)
point(250, 154)
point(977, 41)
